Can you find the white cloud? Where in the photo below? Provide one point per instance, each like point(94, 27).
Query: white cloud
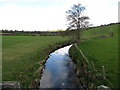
point(31, 0)
point(119, 12)
point(43, 18)
point(102, 12)
point(14, 16)
point(27, 0)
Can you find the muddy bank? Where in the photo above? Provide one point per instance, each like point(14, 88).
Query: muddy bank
point(83, 68)
point(80, 71)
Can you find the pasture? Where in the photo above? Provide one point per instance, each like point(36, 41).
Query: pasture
point(103, 52)
point(21, 54)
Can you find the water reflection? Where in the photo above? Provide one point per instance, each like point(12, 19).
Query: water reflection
point(59, 71)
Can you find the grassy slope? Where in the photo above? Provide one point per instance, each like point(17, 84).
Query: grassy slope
point(21, 55)
point(104, 52)
point(98, 30)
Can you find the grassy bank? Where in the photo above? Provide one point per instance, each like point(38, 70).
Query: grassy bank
point(103, 52)
point(21, 54)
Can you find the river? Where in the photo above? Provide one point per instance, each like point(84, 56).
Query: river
point(59, 71)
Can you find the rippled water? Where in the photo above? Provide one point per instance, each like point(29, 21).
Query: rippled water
point(59, 71)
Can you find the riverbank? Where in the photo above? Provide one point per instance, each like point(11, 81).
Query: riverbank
point(48, 50)
point(99, 65)
point(22, 56)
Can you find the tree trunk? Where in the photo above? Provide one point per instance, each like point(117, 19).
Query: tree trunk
point(78, 35)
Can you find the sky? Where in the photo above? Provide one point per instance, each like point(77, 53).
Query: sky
point(42, 15)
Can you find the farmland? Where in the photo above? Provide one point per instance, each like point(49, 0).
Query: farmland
point(21, 54)
point(103, 52)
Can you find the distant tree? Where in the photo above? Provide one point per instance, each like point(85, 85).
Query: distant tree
point(76, 19)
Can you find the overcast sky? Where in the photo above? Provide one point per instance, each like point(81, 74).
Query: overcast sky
point(42, 15)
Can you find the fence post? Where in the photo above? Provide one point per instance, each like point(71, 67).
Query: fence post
point(103, 70)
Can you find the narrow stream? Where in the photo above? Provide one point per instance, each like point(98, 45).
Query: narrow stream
point(59, 71)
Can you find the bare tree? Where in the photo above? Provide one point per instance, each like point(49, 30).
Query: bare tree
point(76, 19)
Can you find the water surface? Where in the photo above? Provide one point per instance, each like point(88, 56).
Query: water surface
point(59, 71)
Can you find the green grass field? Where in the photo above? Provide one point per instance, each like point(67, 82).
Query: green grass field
point(4, 33)
point(104, 52)
point(96, 31)
point(20, 55)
